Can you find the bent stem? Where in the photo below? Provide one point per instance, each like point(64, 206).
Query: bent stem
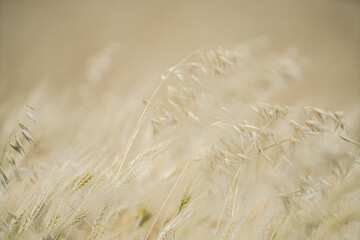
point(146, 109)
point(137, 127)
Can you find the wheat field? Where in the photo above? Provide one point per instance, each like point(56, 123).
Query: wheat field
point(179, 120)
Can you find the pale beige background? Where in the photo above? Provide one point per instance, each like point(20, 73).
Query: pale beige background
point(53, 40)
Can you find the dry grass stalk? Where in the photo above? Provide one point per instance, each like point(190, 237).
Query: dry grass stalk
point(208, 156)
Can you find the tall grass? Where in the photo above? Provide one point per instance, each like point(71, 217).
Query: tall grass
point(211, 156)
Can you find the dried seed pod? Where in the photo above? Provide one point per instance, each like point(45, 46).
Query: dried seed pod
point(12, 163)
point(17, 146)
point(22, 126)
point(4, 176)
point(10, 158)
point(316, 126)
point(32, 117)
point(27, 136)
point(349, 140)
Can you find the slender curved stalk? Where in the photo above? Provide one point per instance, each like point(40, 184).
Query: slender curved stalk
point(146, 109)
point(167, 198)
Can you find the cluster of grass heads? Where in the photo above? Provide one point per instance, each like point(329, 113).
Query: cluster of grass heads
point(210, 157)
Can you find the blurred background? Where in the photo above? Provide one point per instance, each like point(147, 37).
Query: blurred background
point(86, 66)
point(56, 41)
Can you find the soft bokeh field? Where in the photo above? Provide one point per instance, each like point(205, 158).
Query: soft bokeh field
point(109, 161)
